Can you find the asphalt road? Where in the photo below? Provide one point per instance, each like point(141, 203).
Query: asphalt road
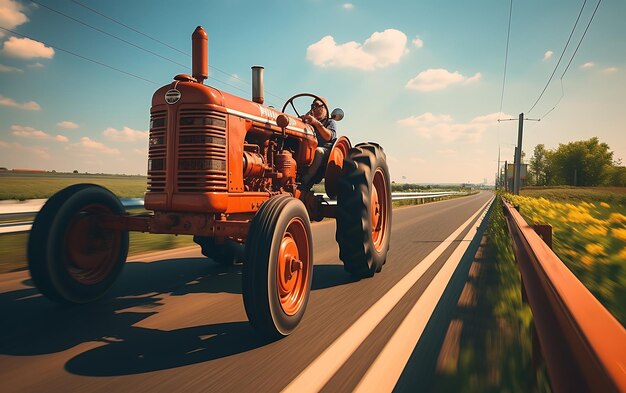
point(175, 320)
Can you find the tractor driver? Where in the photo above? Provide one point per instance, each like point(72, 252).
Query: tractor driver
point(326, 133)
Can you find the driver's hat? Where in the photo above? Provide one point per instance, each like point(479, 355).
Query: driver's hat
point(322, 99)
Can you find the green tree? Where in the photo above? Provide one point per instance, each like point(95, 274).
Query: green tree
point(582, 163)
point(538, 164)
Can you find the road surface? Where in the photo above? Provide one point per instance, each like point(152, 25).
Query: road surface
point(175, 321)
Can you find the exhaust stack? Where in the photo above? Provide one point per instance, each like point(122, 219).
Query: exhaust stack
point(257, 84)
point(200, 54)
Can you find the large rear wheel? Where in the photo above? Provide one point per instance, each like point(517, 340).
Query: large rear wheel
point(364, 210)
point(72, 258)
point(278, 267)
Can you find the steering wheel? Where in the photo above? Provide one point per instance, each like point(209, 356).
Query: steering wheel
point(291, 100)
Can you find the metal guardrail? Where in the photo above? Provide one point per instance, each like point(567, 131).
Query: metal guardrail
point(28, 209)
point(583, 345)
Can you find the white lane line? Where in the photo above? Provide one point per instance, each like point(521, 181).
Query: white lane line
point(321, 370)
point(384, 373)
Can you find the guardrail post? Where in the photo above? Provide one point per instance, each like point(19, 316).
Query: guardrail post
point(545, 233)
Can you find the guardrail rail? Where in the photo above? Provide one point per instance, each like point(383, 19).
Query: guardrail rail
point(583, 345)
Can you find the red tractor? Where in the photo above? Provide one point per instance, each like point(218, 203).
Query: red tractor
point(225, 170)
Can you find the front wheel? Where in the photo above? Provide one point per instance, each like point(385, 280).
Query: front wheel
point(278, 267)
point(72, 258)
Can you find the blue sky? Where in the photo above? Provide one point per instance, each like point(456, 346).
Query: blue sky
point(422, 78)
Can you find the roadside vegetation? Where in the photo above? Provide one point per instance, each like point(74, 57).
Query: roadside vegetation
point(495, 348)
point(22, 186)
point(33, 185)
point(580, 163)
point(589, 236)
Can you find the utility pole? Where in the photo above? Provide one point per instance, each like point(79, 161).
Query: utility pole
point(506, 176)
point(518, 152)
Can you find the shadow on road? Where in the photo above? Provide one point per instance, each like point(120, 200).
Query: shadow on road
point(33, 325)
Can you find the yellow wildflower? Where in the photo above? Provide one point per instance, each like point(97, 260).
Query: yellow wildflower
point(595, 230)
point(622, 253)
point(617, 218)
point(587, 260)
point(605, 205)
point(619, 233)
point(595, 249)
point(576, 216)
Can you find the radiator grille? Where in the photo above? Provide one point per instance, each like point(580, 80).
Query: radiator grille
point(201, 156)
point(157, 151)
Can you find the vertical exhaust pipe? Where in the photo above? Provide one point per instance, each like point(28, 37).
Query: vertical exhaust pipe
point(257, 84)
point(200, 54)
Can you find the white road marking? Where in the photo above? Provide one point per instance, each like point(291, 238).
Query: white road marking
point(321, 370)
point(384, 373)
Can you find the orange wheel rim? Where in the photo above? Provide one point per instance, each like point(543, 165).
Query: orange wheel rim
point(91, 251)
point(379, 208)
point(293, 271)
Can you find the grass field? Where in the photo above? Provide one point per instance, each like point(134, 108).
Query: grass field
point(589, 236)
point(22, 186)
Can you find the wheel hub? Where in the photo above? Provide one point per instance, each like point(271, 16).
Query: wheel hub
point(90, 250)
point(379, 209)
point(293, 268)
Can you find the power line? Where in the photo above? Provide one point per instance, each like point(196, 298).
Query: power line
point(82, 57)
point(109, 34)
point(129, 27)
point(130, 43)
point(560, 58)
point(572, 58)
point(581, 38)
point(171, 47)
point(506, 56)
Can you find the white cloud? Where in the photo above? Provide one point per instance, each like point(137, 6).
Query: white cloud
point(380, 50)
point(66, 125)
point(89, 146)
point(4, 68)
point(610, 70)
point(11, 14)
point(33, 133)
point(16, 151)
point(348, 6)
point(426, 118)
point(548, 55)
point(125, 135)
point(473, 79)
point(29, 106)
point(443, 127)
point(35, 65)
point(418, 42)
point(587, 65)
point(25, 48)
point(439, 78)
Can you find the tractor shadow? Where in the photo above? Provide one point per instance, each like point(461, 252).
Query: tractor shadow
point(33, 325)
point(114, 343)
